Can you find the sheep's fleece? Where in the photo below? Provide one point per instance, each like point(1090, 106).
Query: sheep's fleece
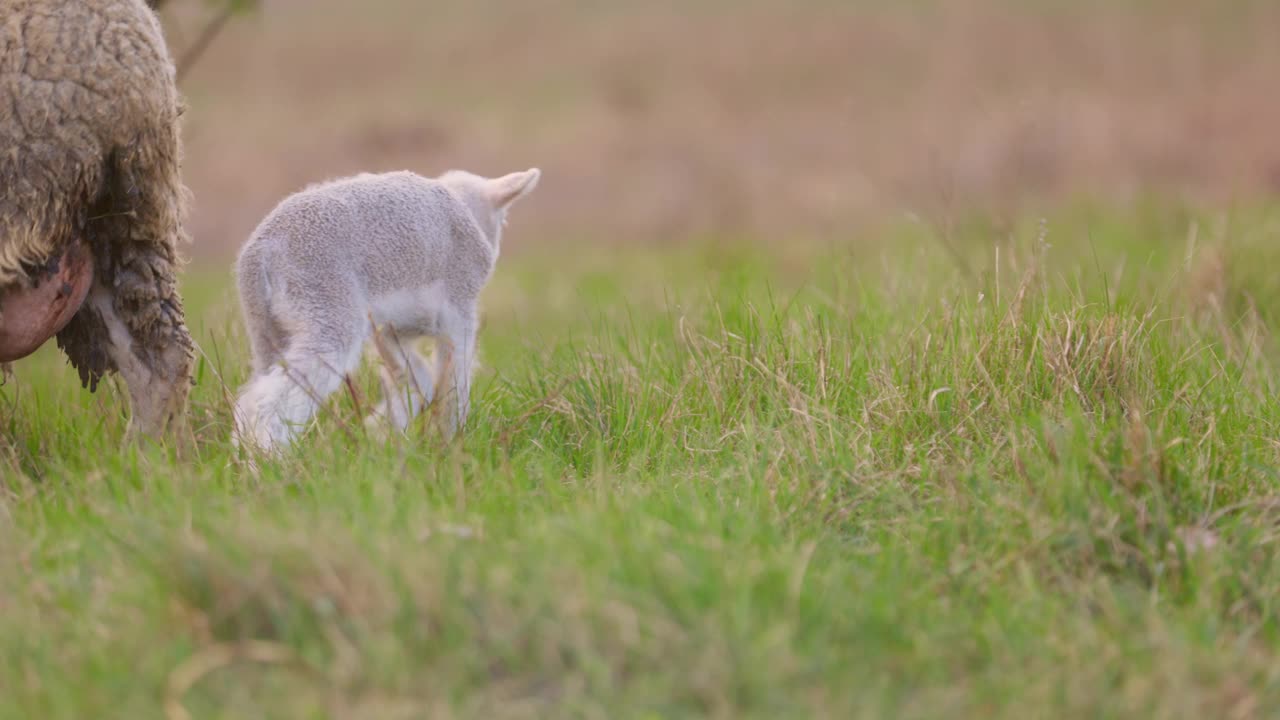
point(89, 153)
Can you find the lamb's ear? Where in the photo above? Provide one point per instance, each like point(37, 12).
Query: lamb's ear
point(507, 189)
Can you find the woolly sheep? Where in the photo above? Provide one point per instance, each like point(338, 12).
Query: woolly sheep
point(91, 201)
point(335, 261)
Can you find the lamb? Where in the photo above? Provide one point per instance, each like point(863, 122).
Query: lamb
point(336, 261)
point(91, 201)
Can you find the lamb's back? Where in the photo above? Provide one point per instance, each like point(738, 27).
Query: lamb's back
point(391, 230)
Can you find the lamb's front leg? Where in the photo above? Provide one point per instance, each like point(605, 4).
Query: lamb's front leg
point(457, 362)
point(404, 395)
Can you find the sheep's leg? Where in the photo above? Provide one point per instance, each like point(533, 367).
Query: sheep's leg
point(135, 328)
point(403, 394)
point(274, 405)
point(154, 362)
point(157, 357)
point(133, 320)
point(456, 363)
point(154, 359)
point(150, 344)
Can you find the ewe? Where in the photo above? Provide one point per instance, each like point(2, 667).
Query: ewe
point(91, 202)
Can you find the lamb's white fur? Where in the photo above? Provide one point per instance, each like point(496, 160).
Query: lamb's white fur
point(410, 252)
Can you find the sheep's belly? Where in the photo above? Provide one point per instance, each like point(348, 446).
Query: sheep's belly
point(31, 315)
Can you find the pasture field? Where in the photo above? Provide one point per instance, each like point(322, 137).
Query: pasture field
point(982, 470)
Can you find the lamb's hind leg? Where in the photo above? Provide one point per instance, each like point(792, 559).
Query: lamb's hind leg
point(268, 337)
point(274, 405)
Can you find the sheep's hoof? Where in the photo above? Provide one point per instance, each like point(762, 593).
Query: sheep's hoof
point(31, 315)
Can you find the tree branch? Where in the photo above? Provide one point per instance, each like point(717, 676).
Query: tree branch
point(206, 37)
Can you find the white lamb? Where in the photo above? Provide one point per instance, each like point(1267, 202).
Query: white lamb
point(398, 250)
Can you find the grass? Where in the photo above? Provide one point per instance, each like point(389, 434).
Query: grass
point(994, 472)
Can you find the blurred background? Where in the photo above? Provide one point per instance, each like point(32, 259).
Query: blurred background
point(671, 120)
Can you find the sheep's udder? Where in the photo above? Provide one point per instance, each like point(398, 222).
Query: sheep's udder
point(31, 315)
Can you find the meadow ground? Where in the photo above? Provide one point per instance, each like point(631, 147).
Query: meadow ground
point(1023, 471)
point(914, 469)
